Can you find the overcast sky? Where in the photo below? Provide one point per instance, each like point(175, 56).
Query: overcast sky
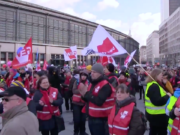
point(140, 16)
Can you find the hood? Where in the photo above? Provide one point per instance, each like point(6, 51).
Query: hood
point(125, 102)
point(177, 93)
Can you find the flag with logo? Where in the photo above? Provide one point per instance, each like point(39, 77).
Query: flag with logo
point(45, 65)
point(104, 60)
point(24, 57)
point(129, 58)
point(103, 43)
point(38, 66)
point(70, 53)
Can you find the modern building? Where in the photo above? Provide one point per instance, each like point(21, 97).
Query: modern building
point(168, 7)
point(52, 31)
point(152, 48)
point(169, 40)
point(142, 55)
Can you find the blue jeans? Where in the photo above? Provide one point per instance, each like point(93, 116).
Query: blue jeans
point(98, 126)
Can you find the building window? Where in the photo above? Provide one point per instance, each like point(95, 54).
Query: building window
point(52, 56)
point(41, 57)
point(3, 56)
point(10, 56)
point(57, 56)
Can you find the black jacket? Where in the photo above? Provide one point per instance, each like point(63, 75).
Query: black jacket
point(136, 124)
point(103, 94)
point(113, 80)
point(157, 100)
point(46, 124)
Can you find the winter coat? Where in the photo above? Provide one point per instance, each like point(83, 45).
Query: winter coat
point(113, 80)
point(46, 124)
point(136, 124)
point(19, 121)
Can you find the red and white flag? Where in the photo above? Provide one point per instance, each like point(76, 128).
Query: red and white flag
point(38, 68)
point(129, 58)
point(24, 57)
point(102, 42)
point(104, 60)
point(70, 53)
point(45, 65)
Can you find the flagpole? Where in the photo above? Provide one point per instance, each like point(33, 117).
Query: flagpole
point(144, 70)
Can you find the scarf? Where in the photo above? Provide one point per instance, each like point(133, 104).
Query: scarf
point(46, 98)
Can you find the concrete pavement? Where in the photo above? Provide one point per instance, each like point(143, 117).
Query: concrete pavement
point(68, 118)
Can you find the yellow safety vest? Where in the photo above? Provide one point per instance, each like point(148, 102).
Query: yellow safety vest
point(150, 107)
point(172, 102)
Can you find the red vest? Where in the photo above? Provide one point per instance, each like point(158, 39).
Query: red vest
point(46, 114)
point(77, 97)
point(104, 110)
point(28, 100)
point(176, 122)
point(119, 123)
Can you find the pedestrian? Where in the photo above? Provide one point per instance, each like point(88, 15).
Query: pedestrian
point(125, 118)
point(134, 82)
point(155, 101)
point(48, 100)
point(79, 118)
point(109, 72)
point(100, 99)
point(17, 120)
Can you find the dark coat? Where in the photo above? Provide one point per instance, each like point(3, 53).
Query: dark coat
point(46, 124)
point(136, 123)
point(103, 94)
point(155, 97)
point(113, 80)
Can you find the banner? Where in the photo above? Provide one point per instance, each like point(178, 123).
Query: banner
point(102, 42)
point(70, 53)
point(24, 56)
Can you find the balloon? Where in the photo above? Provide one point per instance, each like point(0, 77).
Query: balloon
point(9, 63)
point(19, 49)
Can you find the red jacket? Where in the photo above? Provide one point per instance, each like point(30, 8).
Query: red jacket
point(176, 122)
point(119, 123)
point(104, 110)
point(26, 83)
point(48, 109)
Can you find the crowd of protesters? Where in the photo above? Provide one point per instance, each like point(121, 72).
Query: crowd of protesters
point(31, 101)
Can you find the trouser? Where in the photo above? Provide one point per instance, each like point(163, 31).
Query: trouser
point(141, 91)
point(157, 130)
point(53, 132)
point(79, 119)
point(67, 103)
point(98, 126)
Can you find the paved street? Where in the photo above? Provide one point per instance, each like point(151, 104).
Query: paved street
point(68, 118)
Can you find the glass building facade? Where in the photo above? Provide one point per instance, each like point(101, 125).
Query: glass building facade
point(21, 20)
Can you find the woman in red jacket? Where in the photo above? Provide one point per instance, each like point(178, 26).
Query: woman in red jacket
point(48, 100)
point(125, 118)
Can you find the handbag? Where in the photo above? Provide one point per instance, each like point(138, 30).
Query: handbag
point(60, 123)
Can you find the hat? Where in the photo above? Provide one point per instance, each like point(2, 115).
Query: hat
point(89, 67)
point(84, 72)
point(19, 84)
point(131, 71)
point(22, 68)
point(18, 91)
point(40, 73)
point(110, 67)
point(98, 68)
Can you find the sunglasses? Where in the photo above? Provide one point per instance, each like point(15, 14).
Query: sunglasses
point(8, 99)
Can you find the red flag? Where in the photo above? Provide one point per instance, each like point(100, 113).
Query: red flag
point(45, 65)
point(104, 60)
point(83, 66)
point(24, 57)
point(38, 68)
